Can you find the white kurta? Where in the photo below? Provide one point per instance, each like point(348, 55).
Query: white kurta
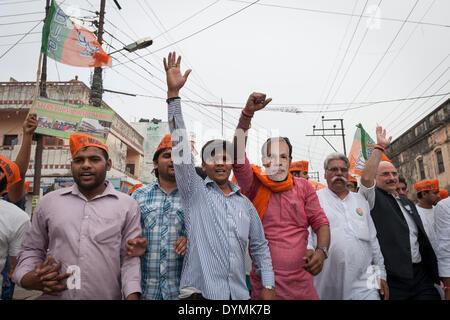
point(442, 222)
point(427, 217)
point(354, 254)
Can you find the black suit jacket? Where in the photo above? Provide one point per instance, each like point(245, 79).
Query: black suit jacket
point(393, 236)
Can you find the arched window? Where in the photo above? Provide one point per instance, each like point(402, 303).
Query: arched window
point(421, 168)
point(440, 160)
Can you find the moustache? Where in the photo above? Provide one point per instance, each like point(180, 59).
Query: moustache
point(338, 178)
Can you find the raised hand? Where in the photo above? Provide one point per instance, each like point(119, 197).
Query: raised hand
point(256, 101)
point(30, 124)
point(136, 247)
point(175, 80)
point(381, 137)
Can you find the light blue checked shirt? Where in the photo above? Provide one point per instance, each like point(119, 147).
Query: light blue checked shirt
point(162, 223)
point(218, 227)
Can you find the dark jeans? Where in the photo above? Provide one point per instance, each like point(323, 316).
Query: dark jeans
point(420, 287)
point(7, 285)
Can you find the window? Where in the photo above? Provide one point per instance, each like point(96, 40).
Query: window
point(10, 140)
point(130, 168)
point(421, 169)
point(53, 142)
point(440, 161)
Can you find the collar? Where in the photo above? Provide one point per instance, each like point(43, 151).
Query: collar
point(156, 185)
point(234, 188)
point(336, 196)
point(109, 191)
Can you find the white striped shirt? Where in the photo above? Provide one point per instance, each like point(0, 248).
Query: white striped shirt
point(218, 227)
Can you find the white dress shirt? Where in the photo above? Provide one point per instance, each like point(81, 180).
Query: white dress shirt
point(354, 253)
point(369, 194)
point(427, 217)
point(442, 223)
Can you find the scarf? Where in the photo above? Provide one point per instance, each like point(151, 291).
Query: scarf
point(266, 188)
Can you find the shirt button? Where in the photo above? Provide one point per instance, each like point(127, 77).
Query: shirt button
point(85, 217)
point(81, 258)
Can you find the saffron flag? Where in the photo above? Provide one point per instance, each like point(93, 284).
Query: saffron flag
point(68, 43)
point(317, 185)
point(361, 150)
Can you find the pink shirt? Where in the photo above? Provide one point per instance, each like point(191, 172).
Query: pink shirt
point(89, 236)
point(285, 222)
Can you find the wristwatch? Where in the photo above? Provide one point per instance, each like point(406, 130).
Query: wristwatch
point(324, 250)
point(269, 287)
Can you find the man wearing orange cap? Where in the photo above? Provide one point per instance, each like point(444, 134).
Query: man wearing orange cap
point(299, 169)
point(12, 179)
point(163, 246)
point(428, 196)
point(443, 194)
point(84, 228)
point(352, 184)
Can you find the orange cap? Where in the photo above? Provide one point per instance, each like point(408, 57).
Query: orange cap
point(443, 193)
point(81, 140)
point(10, 169)
point(426, 185)
point(350, 178)
point(135, 187)
point(299, 166)
point(166, 142)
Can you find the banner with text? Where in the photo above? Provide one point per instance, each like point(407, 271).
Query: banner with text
point(61, 119)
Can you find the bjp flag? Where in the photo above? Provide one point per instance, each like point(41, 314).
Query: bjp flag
point(68, 43)
point(361, 150)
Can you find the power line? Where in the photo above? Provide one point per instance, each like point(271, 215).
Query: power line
point(18, 2)
point(22, 14)
point(203, 29)
point(25, 34)
point(20, 22)
point(344, 14)
point(19, 34)
point(382, 57)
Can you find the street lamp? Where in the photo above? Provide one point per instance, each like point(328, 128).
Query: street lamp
point(139, 44)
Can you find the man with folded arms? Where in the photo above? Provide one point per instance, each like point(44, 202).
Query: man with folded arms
point(84, 228)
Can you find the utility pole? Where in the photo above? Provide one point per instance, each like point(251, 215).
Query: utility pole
point(221, 103)
point(39, 137)
point(95, 98)
point(330, 132)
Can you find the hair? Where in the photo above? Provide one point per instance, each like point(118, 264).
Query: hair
point(155, 159)
point(335, 156)
point(3, 182)
point(201, 173)
point(285, 139)
point(212, 145)
point(401, 179)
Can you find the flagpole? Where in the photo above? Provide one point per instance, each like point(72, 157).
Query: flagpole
point(36, 88)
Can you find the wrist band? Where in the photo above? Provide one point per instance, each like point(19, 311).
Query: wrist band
point(379, 148)
point(248, 115)
point(242, 126)
point(171, 99)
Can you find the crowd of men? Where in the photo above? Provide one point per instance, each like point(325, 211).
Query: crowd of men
point(191, 233)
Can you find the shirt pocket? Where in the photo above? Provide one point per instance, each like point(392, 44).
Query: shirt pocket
point(177, 223)
point(361, 227)
point(107, 234)
point(149, 217)
point(243, 227)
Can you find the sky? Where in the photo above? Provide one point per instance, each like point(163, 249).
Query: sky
point(337, 59)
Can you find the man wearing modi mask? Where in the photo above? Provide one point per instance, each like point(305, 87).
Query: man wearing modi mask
point(84, 228)
point(287, 206)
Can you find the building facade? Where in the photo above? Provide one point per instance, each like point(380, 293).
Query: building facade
point(126, 145)
point(423, 152)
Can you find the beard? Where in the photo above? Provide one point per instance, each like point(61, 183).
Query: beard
point(99, 179)
point(274, 174)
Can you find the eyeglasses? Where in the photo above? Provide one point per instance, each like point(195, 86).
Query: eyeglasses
point(336, 169)
point(387, 174)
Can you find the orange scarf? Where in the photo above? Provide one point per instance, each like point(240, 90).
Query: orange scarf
point(268, 186)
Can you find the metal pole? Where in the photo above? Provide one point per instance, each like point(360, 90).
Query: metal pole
point(343, 135)
point(96, 94)
point(39, 137)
